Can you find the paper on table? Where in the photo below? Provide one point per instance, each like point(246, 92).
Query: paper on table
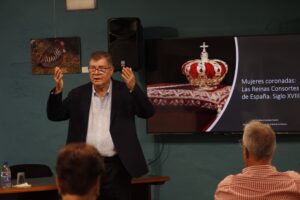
point(23, 185)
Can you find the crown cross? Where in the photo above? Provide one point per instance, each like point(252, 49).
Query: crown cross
point(203, 46)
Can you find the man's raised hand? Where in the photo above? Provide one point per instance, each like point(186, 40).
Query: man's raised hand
point(59, 83)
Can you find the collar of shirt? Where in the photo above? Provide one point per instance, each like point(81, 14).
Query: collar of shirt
point(259, 170)
point(107, 92)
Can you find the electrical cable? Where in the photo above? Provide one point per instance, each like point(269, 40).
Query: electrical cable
point(157, 157)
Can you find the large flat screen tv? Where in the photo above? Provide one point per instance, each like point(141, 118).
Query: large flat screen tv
point(217, 84)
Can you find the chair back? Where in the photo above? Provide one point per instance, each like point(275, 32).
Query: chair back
point(31, 170)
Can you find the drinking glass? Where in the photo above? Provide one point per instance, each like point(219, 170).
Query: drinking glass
point(20, 178)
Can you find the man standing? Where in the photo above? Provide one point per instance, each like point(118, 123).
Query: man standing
point(102, 113)
point(259, 179)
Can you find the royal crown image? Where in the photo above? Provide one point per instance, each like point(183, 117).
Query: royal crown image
point(205, 73)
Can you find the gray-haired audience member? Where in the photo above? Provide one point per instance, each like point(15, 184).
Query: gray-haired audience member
point(259, 180)
point(79, 167)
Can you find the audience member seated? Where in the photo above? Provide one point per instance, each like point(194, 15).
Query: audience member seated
point(79, 167)
point(259, 180)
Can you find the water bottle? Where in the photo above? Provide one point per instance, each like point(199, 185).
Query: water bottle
point(5, 175)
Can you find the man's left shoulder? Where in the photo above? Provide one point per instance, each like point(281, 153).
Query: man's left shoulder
point(293, 174)
point(118, 84)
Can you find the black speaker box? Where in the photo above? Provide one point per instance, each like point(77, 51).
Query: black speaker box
point(125, 42)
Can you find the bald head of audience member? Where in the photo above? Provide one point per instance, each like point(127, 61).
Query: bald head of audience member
point(259, 143)
point(79, 167)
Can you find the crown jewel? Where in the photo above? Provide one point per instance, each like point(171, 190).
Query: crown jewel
point(205, 73)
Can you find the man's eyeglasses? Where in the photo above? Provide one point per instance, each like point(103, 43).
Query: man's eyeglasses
point(100, 69)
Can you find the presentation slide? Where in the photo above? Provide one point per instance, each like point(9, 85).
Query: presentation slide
point(266, 86)
point(217, 84)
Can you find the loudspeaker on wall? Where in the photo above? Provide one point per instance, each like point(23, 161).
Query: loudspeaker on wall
point(125, 42)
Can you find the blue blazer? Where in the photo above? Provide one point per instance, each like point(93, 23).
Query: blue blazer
point(124, 106)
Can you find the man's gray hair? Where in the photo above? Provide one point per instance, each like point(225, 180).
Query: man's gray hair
point(259, 139)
